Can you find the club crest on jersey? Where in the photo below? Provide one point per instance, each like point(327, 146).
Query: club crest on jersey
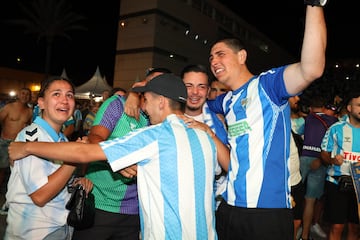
point(132, 126)
point(244, 103)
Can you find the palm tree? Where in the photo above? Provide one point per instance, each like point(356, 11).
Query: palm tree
point(48, 19)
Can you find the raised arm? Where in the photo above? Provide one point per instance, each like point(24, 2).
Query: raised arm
point(133, 102)
point(312, 62)
point(73, 152)
point(132, 105)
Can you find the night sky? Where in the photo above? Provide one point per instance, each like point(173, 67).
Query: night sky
point(280, 20)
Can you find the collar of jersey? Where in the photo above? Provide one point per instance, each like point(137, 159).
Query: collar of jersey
point(53, 134)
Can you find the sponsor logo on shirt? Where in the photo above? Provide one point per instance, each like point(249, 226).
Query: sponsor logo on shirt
point(239, 128)
point(352, 156)
point(312, 148)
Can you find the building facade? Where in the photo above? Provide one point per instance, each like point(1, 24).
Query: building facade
point(12, 80)
point(175, 33)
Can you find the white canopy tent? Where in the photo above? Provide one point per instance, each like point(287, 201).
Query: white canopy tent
point(64, 74)
point(93, 87)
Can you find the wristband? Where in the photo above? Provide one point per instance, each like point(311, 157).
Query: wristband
point(317, 3)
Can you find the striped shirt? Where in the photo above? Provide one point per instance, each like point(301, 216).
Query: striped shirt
point(219, 128)
point(114, 192)
point(216, 125)
point(342, 138)
point(175, 178)
point(258, 119)
point(26, 220)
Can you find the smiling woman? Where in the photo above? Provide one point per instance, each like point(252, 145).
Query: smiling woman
point(44, 195)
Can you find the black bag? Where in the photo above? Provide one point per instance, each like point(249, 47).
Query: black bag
point(82, 209)
point(299, 141)
point(345, 183)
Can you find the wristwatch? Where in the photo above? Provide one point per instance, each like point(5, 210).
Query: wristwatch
point(318, 3)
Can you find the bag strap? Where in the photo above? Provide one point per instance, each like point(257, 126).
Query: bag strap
point(321, 120)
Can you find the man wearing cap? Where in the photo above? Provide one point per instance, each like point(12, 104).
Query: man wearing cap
point(176, 164)
point(116, 197)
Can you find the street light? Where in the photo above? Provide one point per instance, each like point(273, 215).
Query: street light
point(12, 93)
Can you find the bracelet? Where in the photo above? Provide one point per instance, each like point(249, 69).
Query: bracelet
point(317, 3)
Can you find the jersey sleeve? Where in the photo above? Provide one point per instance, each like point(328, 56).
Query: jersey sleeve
point(109, 113)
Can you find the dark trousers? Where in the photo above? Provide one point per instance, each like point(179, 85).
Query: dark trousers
point(111, 226)
point(235, 223)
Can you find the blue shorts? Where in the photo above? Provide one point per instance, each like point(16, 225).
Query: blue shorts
point(314, 180)
point(4, 155)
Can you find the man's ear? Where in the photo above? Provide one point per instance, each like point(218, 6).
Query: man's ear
point(348, 107)
point(242, 55)
point(162, 102)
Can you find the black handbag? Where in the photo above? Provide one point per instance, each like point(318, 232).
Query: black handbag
point(82, 208)
point(345, 183)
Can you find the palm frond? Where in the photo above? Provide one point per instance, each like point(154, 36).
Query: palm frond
point(47, 20)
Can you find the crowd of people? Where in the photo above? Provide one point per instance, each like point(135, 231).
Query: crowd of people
point(244, 156)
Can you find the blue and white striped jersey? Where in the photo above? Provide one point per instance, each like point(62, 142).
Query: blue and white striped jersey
point(342, 138)
point(175, 178)
point(258, 119)
point(25, 219)
point(216, 125)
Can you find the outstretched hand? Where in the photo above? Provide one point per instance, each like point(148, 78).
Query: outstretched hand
point(16, 151)
point(129, 172)
point(86, 183)
point(338, 159)
point(192, 123)
point(83, 139)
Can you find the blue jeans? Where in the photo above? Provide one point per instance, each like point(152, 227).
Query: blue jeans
point(62, 233)
point(314, 180)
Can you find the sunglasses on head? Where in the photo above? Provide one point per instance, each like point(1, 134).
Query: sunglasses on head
point(333, 107)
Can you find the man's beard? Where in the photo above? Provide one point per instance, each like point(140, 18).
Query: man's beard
point(356, 118)
point(193, 108)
